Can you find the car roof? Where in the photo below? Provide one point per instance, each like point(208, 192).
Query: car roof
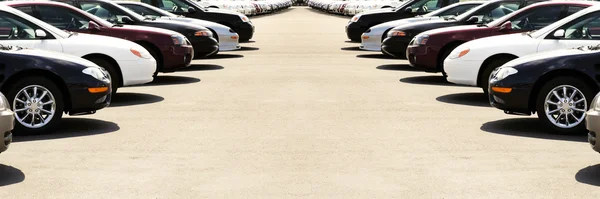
point(553, 2)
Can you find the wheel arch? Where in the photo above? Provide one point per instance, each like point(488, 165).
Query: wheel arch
point(553, 74)
point(107, 58)
point(490, 59)
point(160, 62)
point(60, 83)
point(443, 49)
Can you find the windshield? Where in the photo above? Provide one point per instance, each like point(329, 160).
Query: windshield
point(146, 10)
point(110, 11)
point(402, 4)
point(561, 22)
point(198, 5)
point(491, 11)
point(44, 25)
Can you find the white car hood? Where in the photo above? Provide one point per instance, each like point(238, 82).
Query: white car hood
point(208, 24)
point(404, 21)
point(55, 55)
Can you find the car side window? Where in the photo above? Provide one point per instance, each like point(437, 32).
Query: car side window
point(13, 27)
point(26, 9)
point(496, 11)
point(458, 10)
point(424, 6)
point(175, 6)
point(62, 18)
point(584, 28)
point(573, 9)
point(141, 10)
point(536, 18)
point(104, 11)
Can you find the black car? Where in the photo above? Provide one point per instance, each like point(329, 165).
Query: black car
point(410, 8)
point(558, 85)
point(399, 37)
point(238, 22)
point(41, 85)
point(200, 37)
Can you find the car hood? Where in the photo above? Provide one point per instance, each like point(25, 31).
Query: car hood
point(518, 39)
point(208, 24)
point(405, 21)
point(452, 29)
point(52, 55)
point(223, 11)
point(424, 24)
point(147, 29)
point(171, 23)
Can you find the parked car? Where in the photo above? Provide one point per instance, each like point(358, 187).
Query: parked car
point(410, 8)
point(7, 122)
point(592, 120)
point(128, 63)
point(170, 49)
point(428, 50)
point(227, 38)
point(240, 23)
point(399, 37)
point(558, 85)
point(200, 37)
point(41, 85)
point(472, 63)
point(372, 38)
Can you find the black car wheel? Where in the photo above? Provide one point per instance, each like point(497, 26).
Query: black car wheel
point(561, 104)
point(112, 71)
point(484, 76)
point(37, 103)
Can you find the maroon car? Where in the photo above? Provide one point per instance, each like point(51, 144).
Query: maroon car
point(170, 49)
point(428, 50)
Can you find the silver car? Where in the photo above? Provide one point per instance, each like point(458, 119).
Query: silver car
point(7, 121)
point(227, 38)
point(592, 120)
point(372, 38)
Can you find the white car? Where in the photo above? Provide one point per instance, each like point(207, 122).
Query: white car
point(127, 63)
point(227, 38)
point(472, 63)
point(372, 38)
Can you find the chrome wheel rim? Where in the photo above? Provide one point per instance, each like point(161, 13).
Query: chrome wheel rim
point(565, 106)
point(34, 106)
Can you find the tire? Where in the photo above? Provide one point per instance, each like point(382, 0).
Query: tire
point(115, 78)
point(54, 94)
point(156, 56)
point(484, 76)
point(584, 89)
point(447, 50)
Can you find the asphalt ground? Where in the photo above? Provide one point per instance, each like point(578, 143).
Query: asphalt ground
point(300, 113)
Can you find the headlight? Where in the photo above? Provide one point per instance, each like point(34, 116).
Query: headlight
point(140, 52)
point(4, 103)
point(94, 72)
point(505, 72)
point(596, 103)
point(245, 19)
point(203, 33)
point(355, 18)
point(421, 40)
point(396, 33)
point(178, 39)
point(458, 53)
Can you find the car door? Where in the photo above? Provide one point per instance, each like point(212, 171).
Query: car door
point(583, 31)
point(17, 31)
point(66, 19)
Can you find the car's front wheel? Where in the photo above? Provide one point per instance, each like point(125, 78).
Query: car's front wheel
point(561, 104)
point(38, 105)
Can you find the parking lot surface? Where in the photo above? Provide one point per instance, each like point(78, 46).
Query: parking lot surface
point(300, 113)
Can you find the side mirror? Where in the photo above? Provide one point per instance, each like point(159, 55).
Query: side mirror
point(560, 33)
point(408, 10)
point(39, 33)
point(473, 20)
point(506, 26)
point(191, 10)
point(93, 26)
point(127, 20)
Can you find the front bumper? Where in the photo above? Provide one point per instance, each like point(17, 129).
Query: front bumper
point(7, 121)
point(371, 41)
point(229, 42)
point(84, 102)
point(422, 57)
point(462, 72)
point(245, 30)
point(395, 46)
point(515, 102)
point(176, 57)
point(138, 71)
point(354, 31)
point(592, 121)
point(204, 46)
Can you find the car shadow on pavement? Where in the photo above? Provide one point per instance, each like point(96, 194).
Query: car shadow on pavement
point(201, 67)
point(351, 48)
point(73, 127)
point(398, 67)
point(428, 80)
point(589, 175)
point(171, 80)
point(469, 99)
point(375, 56)
point(130, 99)
point(527, 127)
point(222, 56)
point(244, 48)
point(10, 175)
